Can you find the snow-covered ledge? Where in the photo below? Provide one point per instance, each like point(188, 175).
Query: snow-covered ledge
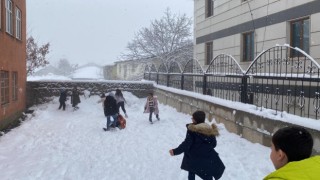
point(254, 124)
point(43, 90)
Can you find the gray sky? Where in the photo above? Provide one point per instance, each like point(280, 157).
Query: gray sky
point(96, 31)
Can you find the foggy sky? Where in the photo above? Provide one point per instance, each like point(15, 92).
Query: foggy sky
point(97, 31)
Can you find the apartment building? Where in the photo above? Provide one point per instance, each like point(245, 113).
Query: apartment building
point(12, 60)
point(244, 28)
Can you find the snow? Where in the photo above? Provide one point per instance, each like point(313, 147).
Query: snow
point(54, 144)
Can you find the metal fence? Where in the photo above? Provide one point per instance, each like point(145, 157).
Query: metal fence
point(281, 78)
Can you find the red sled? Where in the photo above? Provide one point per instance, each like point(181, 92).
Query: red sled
point(122, 122)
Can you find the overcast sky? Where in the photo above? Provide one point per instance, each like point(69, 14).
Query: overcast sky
point(96, 31)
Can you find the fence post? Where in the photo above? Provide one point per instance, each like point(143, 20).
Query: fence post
point(182, 81)
point(149, 76)
point(157, 78)
point(168, 79)
point(204, 85)
point(244, 85)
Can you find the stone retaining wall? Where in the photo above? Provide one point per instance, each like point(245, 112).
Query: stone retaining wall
point(252, 127)
point(43, 91)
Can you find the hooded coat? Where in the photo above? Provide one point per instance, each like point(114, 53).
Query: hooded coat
point(199, 154)
point(307, 169)
point(155, 105)
point(110, 106)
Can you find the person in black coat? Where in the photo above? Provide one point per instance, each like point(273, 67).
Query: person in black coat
point(200, 158)
point(75, 98)
point(63, 99)
point(110, 110)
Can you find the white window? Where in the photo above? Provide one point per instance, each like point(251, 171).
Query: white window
point(18, 23)
point(9, 24)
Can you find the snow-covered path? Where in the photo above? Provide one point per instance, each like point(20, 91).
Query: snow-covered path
point(71, 145)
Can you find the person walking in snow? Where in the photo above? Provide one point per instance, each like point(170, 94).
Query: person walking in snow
point(63, 99)
point(151, 107)
point(110, 110)
point(120, 101)
point(199, 157)
point(75, 98)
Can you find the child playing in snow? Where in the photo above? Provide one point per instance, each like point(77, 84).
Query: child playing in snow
point(291, 148)
point(151, 106)
point(120, 101)
point(200, 158)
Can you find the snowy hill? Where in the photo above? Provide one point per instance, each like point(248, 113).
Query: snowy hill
point(82, 73)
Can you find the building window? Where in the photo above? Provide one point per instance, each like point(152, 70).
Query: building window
point(14, 86)
point(300, 35)
point(209, 8)
point(4, 84)
point(9, 23)
point(18, 23)
point(248, 46)
point(209, 52)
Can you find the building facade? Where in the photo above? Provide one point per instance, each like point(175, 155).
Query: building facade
point(12, 60)
point(244, 28)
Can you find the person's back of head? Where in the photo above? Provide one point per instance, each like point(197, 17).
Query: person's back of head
point(118, 92)
point(199, 117)
point(296, 142)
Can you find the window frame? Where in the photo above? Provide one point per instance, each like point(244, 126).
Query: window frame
point(14, 86)
point(4, 86)
point(9, 17)
point(18, 23)
point(301, 46)
point(245, 56)
point(209, 8)
point(208, 52)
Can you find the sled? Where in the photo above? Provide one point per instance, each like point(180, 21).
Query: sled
point(121, 122)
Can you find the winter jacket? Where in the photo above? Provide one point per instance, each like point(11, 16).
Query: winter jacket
point(110, 106)
point(199, 154)
point(119, 98)
point(63, 96)
point(155, 105)
point(307, 169)
point(75, 98)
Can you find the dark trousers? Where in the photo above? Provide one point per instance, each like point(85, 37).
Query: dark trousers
point(62, 104)
point(121, 104)
point(192, 176)
point(151, 112)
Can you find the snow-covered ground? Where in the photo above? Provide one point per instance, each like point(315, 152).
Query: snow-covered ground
point(71, 145)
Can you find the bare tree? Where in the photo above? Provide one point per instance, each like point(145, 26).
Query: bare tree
point(168, 38)
point(36, 56)
point(65, 67)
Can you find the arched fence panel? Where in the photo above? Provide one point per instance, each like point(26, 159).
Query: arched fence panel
point(163, 75)
point(153, 73)
point(146, 73)
point(193, 74)
point(224, 78)
point(285, 79)
point(175, 75)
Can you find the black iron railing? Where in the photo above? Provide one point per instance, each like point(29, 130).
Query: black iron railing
point(274, 80)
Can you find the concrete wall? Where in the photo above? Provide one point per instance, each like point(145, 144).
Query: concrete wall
point(252, 127)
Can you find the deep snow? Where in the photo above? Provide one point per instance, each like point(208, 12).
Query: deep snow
point(71, 145)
